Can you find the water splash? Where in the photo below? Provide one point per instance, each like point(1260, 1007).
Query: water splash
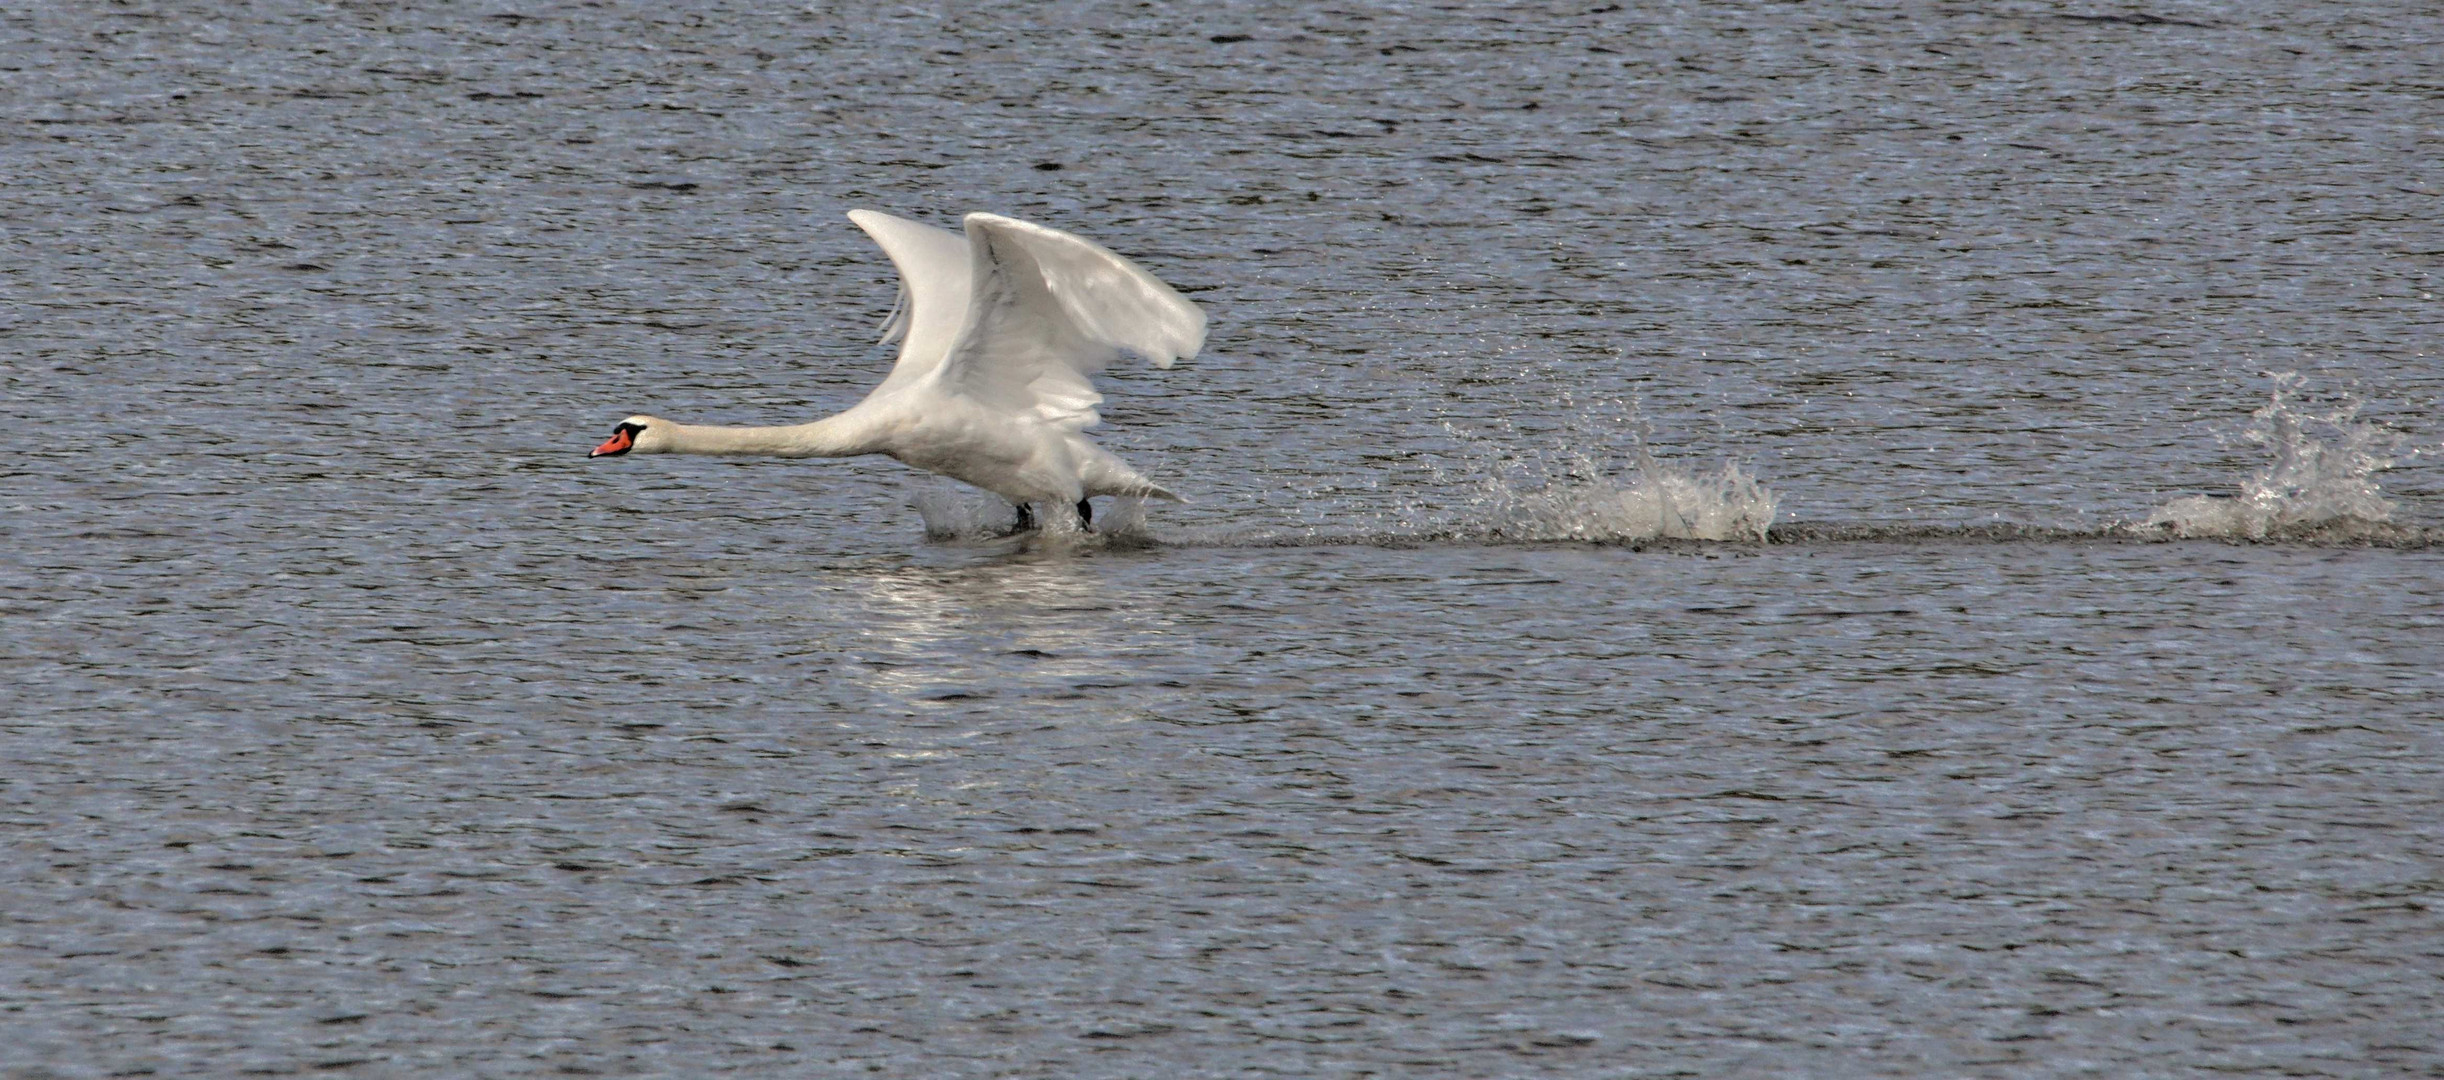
point(1581, 492)
point(2322, 476)
point(1656, 501)
point(956, 513)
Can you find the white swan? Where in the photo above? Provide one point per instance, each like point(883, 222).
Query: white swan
point(1001, 329)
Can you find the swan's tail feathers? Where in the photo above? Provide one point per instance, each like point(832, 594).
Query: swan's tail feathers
point(1105, 474)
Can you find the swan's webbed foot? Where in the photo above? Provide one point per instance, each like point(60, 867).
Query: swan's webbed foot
point(1026, 518)
point(1086, 514)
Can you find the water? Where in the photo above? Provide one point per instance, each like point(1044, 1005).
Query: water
point(2074, 713)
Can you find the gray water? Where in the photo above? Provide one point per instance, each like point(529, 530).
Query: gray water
point(1728, 540)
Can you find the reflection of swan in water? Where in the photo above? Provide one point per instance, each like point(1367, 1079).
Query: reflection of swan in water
point(1002, 329)
point(1027, 628)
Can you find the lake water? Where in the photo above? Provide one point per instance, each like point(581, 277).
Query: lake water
point(1727, 540)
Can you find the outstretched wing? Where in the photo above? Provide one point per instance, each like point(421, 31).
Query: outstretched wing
point(1045, 311)
point(934, 284)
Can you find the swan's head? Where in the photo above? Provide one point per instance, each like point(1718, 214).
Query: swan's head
point(637, 434)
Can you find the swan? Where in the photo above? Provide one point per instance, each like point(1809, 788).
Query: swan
point(999, 331)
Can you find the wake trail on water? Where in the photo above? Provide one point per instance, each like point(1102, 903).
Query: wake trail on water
point(1656, 502)
point(2317, 488)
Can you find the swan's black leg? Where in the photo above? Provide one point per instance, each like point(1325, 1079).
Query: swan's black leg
point(1026, 518)
point(1086, 513)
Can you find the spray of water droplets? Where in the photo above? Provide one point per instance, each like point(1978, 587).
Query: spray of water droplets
point(2320, 474)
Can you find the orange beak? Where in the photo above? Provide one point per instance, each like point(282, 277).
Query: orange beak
point(618, 443)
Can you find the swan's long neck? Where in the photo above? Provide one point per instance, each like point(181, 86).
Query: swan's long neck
point(835, 436)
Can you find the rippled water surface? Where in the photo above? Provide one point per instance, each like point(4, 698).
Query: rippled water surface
point(1728, 540)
